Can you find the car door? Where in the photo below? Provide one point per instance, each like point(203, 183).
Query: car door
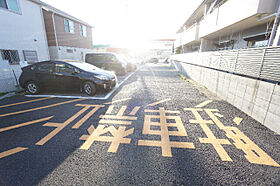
point(44, 75)
point(103, 61)
point(66, 77)
point(113, 63)
point(96, 60)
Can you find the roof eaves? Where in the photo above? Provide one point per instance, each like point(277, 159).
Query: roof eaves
point(59, 12)
point(36, 1)
point(192, 15)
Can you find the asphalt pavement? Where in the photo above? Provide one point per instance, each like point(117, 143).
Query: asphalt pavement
point(155, 129)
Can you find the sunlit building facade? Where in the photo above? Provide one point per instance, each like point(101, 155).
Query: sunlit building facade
point(68, 37)
point(229, 24)
point(23, 39)
point(161, 48)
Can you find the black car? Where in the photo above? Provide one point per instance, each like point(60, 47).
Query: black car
point(107, 61)
point(70, 75)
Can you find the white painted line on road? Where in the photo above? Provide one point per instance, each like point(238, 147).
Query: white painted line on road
point(158, 102)
point(120, 100)
point(93, 98)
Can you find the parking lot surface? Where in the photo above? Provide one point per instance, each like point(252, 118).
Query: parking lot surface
point(155, 129)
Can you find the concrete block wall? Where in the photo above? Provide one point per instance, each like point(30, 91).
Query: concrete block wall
point(273, 114)
point(258, 99)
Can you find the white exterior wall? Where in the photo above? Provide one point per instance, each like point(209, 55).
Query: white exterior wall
point(60, 53)
point(229, 13)
point(19, 32)
point(191, 34)
point(268, 6)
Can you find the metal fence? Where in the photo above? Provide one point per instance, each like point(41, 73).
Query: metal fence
point(262, 63)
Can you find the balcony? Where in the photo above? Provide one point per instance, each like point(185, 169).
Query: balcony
point(233, 12)
point(188, 36)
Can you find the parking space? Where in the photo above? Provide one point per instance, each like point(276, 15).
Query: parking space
point(100, 94)
point(156, 129)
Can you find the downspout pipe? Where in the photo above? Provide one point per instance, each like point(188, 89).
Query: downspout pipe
point(274, 29)
point(54, 27)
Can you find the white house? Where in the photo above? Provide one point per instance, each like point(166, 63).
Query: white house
point(22, 38)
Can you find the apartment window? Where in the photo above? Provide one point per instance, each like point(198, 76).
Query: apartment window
point(226, 45)
point(10, 5)
point(256, 44)
point(30, 55)
point(10, 55)
point(69, 26)
point(257, 40)
point(83, 30)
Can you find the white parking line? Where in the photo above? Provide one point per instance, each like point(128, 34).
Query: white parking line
point(94, 97)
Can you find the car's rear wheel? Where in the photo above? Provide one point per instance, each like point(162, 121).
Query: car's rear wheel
point(32, 87)
point(89, 88)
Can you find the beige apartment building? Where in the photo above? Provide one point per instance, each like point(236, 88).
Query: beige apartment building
point(228, 24)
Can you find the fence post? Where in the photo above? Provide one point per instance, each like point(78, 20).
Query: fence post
point(236, 60)
point(262, 62)
point(220, 60)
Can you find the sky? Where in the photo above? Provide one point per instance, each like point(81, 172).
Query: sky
point(129, 23)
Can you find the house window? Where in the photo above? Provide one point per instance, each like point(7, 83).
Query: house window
point(83, 30)
point(10, 55)
point(69, 51)
point(10, 5)
point(30, 56)
point(69, 26)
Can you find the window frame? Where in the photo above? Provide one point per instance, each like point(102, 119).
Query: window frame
point(11, 60)
point(25, 57)
point(69, 28)
point(11, 10)
point(70, 51)
point(83, 30)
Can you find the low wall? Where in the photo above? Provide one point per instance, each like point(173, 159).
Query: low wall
point(258, 99)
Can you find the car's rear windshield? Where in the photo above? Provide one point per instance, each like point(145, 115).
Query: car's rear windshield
point(84, 66)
